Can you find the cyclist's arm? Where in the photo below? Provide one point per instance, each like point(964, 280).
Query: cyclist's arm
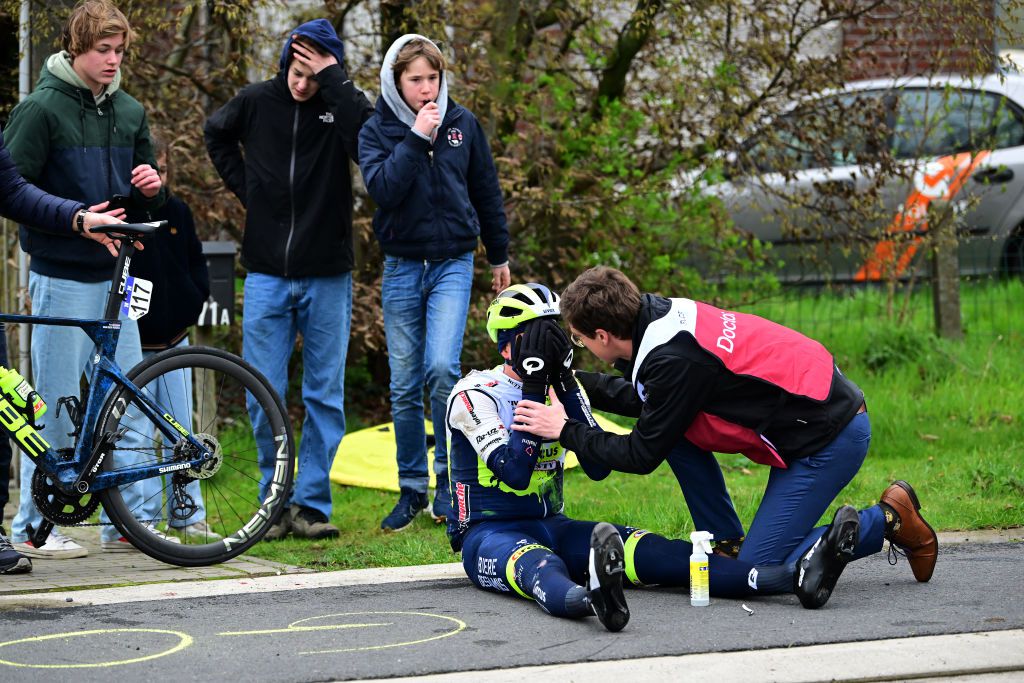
point(223, 136)
point(513, 458)
point(611, 393)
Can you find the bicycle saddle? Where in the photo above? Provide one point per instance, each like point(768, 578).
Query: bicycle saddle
point(130, 231)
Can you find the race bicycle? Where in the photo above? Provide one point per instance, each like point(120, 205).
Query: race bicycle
point(211, 441)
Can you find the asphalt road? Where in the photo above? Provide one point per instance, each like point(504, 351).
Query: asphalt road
point(418, 628)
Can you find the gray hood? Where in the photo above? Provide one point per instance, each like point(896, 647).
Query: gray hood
point(389, 89)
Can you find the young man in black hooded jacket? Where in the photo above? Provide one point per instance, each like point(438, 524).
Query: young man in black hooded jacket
point(283, 147)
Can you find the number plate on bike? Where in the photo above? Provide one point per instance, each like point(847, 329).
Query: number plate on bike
point(137, 295)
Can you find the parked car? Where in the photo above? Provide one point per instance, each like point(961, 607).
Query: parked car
point(842, 184)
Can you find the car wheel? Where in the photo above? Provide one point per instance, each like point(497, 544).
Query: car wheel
point(1013, 256)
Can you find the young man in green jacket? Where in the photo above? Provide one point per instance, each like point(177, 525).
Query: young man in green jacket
point(78, 135)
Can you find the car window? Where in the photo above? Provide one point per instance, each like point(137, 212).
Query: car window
point(834, 131)
point(937, 122)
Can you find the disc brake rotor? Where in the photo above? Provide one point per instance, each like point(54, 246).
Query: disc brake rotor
point(209, 468)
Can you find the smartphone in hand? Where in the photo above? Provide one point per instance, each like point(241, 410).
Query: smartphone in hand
point(119, 201)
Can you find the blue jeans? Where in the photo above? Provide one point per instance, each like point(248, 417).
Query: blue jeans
point(276, 309)
point(174, 392)
point(425, 309)
point(59, 357)
point(796, 498)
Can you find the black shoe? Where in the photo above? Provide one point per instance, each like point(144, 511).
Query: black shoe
point(11, 561)
point(310, 523)
point(410, 503)
point(818, 569)
point(607, 566)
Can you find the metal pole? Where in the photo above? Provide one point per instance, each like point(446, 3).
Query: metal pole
point(24, 81)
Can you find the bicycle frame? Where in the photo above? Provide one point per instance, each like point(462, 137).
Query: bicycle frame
point(82, 473)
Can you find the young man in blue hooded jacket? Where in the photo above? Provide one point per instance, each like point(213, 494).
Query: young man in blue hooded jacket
point(298, 131)
point(427, 164)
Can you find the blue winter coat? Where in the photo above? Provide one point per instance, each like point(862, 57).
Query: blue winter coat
point(23, 202)
point(434, 199)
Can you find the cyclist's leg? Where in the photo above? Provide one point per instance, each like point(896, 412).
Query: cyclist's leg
point(59, 356)
point(515, 557)
point(268, 337)
point(651, 560)
point(324, 318)
point(402, 300)
point(448, 285)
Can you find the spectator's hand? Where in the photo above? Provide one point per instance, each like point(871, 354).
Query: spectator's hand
point(309, 56)
point(501, 278)
point(528, 358)
point(97, 216)
point(428, 118)
point(146, 180)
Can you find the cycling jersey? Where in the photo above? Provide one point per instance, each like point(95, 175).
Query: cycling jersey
point(497, 473)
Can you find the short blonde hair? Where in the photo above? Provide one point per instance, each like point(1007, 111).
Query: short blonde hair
point(92, 21)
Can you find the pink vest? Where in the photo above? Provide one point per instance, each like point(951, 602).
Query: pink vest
point(746, 345)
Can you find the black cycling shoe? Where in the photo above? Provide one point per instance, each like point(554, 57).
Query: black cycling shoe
point(607, 566)
point(818, 569)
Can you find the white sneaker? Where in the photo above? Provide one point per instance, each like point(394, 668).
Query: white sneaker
point(159, 534)
point(122, 544)
point(57, 547)
point(198, 531)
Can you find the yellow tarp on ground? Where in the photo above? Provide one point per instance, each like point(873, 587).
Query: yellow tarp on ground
point(367, 458)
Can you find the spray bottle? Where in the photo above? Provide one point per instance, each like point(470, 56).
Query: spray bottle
point(699, 575)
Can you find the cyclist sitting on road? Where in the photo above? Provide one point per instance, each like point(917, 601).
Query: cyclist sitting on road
point(506, 515)
point(730, 383)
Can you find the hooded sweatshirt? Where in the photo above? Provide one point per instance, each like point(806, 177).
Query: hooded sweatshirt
point(74, 144)
point(294, 177)
point(437, 197)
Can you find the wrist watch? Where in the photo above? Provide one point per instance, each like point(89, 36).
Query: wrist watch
point(80, 220)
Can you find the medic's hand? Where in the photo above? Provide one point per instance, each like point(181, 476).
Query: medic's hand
point(528, 358)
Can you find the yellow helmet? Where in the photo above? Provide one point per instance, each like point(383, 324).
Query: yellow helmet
point(519, 304)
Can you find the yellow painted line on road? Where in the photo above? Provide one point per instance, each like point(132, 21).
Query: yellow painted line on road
point(184, 641)
point(292, 628)
point(459, 623)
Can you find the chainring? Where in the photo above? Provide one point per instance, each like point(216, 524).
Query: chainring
point(59, 506)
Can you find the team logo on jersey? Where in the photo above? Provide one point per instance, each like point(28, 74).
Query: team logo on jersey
point(454, 137)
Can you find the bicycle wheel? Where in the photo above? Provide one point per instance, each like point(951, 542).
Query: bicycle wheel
point(238, 508)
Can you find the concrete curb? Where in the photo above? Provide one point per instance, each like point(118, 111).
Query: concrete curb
point(348, 577)
point(947, 657)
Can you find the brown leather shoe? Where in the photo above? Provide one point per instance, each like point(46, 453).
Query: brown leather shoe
point(912, 532)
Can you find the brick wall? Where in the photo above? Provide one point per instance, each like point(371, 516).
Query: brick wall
point(907, 37)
